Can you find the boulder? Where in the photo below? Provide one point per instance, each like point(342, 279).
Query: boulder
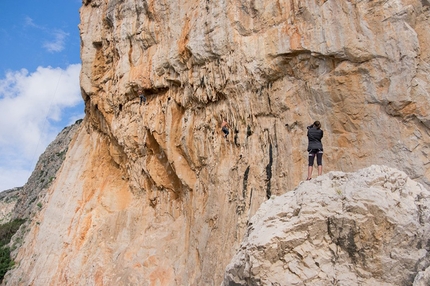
point(370, 227)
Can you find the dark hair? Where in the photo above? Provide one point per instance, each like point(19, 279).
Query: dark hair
point(317, 124)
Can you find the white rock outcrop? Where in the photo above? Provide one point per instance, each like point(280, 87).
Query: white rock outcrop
point(366, 228)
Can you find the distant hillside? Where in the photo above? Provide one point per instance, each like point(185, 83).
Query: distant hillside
point(22, 202)
point(20, 205)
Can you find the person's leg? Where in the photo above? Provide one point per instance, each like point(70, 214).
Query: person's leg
point(319, 162)
point(311, 164)
point(310, 168)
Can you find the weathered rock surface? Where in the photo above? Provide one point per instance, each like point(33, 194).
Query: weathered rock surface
point(422, 278)
point(153, 194)
point(360, 67)
point(371, 227)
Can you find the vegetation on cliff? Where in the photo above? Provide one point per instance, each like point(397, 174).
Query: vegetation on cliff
point(7, 230)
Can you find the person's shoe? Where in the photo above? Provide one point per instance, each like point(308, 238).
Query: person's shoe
point(308, 179)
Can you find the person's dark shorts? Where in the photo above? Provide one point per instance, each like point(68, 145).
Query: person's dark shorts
point(315, 153)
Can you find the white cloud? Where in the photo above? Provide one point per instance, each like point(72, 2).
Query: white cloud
point(57, 45)
point(29, 22)
point(30, 104)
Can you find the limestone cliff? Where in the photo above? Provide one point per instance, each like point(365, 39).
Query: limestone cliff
point(153, 194)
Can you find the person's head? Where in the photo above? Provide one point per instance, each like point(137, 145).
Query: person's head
point(317, 124)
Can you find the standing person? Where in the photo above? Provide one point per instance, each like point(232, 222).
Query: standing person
point(224, 127)
point(315, 147)
point(142, 97)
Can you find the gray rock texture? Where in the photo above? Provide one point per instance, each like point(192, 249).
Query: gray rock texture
point(422, 278)
point(371, 227)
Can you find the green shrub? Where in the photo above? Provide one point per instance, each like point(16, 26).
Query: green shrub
point(7, 230)
point(5, 262)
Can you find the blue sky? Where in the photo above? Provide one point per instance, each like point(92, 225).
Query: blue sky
point(39, 81)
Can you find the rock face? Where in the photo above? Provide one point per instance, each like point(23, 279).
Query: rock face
point(360, 67)
point(371, 227)
point(153, 194)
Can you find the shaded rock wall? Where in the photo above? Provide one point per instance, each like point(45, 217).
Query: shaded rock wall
point(154, 194)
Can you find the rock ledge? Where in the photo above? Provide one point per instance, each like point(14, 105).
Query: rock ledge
point(365, 228)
